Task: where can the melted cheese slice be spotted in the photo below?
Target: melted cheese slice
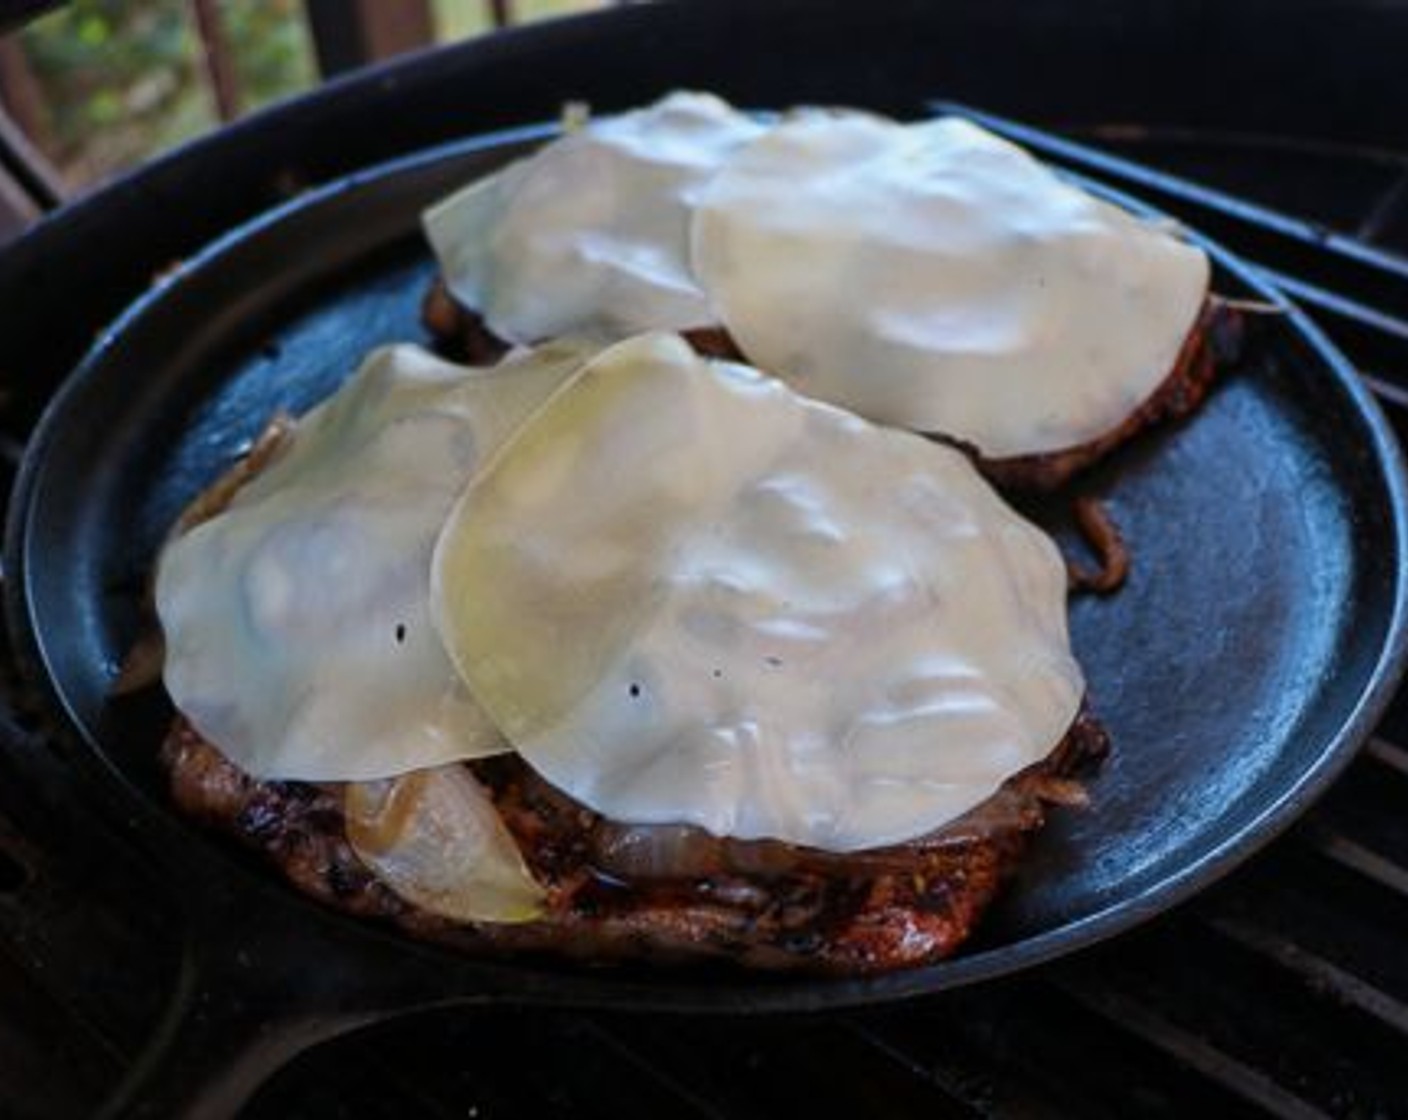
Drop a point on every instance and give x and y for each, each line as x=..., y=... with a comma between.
x=936, y=277
x=298, y=635
x=590, y=233
x=688, y=595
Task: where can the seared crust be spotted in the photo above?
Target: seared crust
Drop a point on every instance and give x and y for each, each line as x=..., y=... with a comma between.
x=761, y=904
x=459, y=334
x=1213, y=343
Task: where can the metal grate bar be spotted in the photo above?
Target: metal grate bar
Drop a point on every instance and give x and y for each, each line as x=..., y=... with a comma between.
x=1369, y=338
x=1357, y=857
x=1058, y=149
x=972, y=1093
x=503, y=1062
x=1388, y=392
x=656, y=1071
x=1202, y=992
x=1318, y=256
x=1323, y=299
x=1378, y=748
x=753, y=1069
x=1390, y=206
x=1139, y=1018
x=1316, y=972
x=1366, y=807
x=1326, y=909
x=1013, y=1046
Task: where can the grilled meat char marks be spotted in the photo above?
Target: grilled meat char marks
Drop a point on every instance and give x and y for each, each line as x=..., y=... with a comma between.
x=760, y=903
x=1213, y=344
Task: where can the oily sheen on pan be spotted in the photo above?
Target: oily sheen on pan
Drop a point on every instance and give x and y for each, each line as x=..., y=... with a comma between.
x=927, y=275
x=762, y=680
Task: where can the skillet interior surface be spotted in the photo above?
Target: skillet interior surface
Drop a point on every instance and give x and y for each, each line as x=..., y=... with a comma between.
x=1256, y=642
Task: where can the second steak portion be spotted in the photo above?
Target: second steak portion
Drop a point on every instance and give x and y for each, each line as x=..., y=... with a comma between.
x=1213, y=344
x=661, y=893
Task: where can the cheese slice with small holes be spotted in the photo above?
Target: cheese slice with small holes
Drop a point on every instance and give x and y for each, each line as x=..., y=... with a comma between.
x=297, y=624
x=591, y=232
x=688, y=595
x=936, y=277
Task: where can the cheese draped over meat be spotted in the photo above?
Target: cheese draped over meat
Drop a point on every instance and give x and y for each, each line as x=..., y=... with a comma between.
x=298, y=635
x=927, y=275
x=689, y=595
x=591, y=233
x=939, y=278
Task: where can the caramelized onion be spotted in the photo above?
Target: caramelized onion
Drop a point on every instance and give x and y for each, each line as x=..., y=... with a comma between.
x=672, y=851
x=216, y=497
x=141, y=668
x=1106, y=542
x=434, y=838
x=656, y=851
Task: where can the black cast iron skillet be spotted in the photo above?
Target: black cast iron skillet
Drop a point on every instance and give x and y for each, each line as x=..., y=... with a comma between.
x=1258, y=639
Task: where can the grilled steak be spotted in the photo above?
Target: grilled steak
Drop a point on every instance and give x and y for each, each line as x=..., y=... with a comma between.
x=1212, y=345
x=759, y=903
x=663, y=893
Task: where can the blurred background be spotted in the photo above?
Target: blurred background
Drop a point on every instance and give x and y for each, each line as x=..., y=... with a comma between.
x=98, y=85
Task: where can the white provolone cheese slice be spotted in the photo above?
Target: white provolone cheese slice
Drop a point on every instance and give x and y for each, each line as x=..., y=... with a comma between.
x=298, y=636
x=689, y=595
x=936, y=277
x=591, y=232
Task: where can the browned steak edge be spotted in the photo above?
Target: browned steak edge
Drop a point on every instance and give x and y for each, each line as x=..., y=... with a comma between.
x=759, y=904
x=1212, y=344
x=819, y=912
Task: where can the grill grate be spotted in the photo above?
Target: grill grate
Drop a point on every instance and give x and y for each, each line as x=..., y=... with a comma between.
x=1283, y=991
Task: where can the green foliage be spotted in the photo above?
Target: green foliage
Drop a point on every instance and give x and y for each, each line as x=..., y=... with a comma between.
x=113, y=74
x=272, y=49
x=123, y=79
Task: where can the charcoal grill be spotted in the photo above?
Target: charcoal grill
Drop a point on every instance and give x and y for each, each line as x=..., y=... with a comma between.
x=1284, y=991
